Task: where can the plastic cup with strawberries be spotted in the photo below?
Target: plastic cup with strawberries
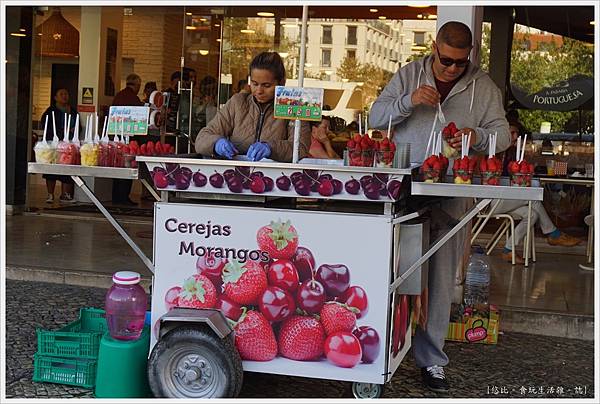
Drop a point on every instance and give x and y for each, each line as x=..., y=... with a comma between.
x=120, y=149
x=368, y=157
x=68, y=153
x=490, y=178
x=355, y=157
x=520, y=179
x=104, y=156
x=431, y=175
x=384, y=158
x=463, y=176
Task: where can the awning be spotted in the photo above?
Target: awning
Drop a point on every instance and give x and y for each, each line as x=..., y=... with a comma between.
x=574, y=93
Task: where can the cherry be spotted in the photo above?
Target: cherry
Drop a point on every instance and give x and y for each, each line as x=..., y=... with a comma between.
x=343, y=349
x=186, y=171
x=171, y=297
x=216, y=180
x=311, y=174
x=257, y=174
x=352, y=186
x=355, y=296
x=326, y=188
x=158, y=169
x=372, y=191
x=276, y=304
x=302, y=187
x=257, y=185
x=283, y=183
x=334, y=277
x=296, y=176
x=160, y=180
x=171, y=167
x=269, y=184
x=244, y=171
x=393, y=189
x=310, y=296
x=324, y=177
x=283, y=273
x=365, y=180
x=230, y=309
x=337, y=186
x=182, y=182
x=200, y=179
x=369, y=342
x=304, y=261
x=229, y=174
x=235, y=185
x=211, y=267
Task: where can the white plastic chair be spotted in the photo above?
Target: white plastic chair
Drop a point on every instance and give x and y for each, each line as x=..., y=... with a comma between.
x=507, y=227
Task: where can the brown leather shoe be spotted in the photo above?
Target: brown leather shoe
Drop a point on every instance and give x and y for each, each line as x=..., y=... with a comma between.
x=563, y=240
x=507, y=256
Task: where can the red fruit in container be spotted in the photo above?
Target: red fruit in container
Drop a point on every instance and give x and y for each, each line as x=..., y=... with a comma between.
x=144, y=150
x=150, y=148
x=436, y=165
x=158, y=149
x=456, y=165
x=524, y=167
x=513, y=167
x=351, y=144
x=483, y=166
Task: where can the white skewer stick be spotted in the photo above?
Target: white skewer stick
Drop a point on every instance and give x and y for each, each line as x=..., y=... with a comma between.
x=76, y=132
x=366, y=125
x=468, y=144
x=65, y=137
x=360, y=124
x=523, y=148
x=96, y=115
x=389, y=131
x=427, y=154
x=105, y=127
x=69, y=125
x=45, y=127
x=438, y=144
x=518, y=149
x=54, y=135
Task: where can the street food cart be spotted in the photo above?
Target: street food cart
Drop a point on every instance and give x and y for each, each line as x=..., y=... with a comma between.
x=299, y=269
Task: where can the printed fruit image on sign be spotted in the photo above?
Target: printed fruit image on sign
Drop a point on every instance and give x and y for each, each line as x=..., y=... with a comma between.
x=298, y=301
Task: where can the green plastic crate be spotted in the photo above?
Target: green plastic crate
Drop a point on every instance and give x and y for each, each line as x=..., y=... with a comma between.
x=76, y=372
x=79, y=339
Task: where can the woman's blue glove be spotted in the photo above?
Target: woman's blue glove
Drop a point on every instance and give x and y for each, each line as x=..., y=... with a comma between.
x=258, y=151
x=225, y=148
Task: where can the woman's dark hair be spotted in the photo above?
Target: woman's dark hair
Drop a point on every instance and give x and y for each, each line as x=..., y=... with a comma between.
x=150, y=86
x=270, y=61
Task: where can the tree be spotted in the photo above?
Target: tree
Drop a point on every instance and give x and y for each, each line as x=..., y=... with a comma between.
x=374, y=79
x=544, y=66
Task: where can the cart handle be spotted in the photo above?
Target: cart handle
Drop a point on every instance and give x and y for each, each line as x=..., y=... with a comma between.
x=410, y=216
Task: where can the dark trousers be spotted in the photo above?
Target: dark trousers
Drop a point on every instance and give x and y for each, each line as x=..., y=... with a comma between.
x=120, y=190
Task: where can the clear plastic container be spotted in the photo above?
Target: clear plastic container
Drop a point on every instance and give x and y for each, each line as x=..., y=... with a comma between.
x=45, y=152
x=125, y=306
x=477, y=280
x=104, y=155
x=90, y=154
x=68, y=153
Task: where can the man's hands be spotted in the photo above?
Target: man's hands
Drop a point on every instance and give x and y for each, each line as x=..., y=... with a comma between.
x=425, y=95
x=456, y=140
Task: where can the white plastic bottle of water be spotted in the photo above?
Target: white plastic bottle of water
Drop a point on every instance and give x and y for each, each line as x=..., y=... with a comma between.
x=477, y=281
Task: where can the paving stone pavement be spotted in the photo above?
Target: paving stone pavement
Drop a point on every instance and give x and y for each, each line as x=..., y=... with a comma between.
x=531, y=362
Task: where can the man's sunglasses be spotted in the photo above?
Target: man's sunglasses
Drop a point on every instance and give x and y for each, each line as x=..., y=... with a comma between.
x=449, y=61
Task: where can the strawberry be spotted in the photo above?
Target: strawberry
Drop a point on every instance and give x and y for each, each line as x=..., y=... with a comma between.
x=437, y=166
x=357, y=138
x=392, y=146
x=464, y=163
x=143, y=150
x=254, y=337
x=456, y=165
x=351, y=144
x=279, y=239
x=150, y=148
x=524, y=167
x=472, y=163
x=483, y=166
x=513, y=167
x=198, y=293
x=338, y=317
x=158, y=149
x=244, y=284
x=301, y=338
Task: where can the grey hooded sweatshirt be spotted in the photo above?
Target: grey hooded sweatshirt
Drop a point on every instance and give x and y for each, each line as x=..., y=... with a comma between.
x=474, y=102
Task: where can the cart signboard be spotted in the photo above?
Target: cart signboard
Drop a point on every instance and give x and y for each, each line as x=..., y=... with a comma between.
x=305, y=104
x=257, y=253
x=128, y=121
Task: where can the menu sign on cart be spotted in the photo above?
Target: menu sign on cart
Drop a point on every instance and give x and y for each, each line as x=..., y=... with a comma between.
x=298, y=103
x=130, y=121
x=306, y=294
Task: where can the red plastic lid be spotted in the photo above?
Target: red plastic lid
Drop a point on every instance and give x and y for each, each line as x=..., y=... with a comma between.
x=126, y=278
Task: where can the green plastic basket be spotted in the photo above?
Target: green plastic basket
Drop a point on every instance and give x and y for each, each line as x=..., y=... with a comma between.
x=76, y=372
x=79, y=339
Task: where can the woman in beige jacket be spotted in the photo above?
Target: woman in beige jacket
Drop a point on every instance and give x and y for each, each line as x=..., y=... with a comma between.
x=246, y=124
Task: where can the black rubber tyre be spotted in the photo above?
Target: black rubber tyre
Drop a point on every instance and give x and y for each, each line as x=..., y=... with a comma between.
x=192, y=362
x=366, y=390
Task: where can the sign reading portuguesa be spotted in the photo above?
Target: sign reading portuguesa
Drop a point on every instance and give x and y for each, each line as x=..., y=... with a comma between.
x=566, y=95
x=301, y=103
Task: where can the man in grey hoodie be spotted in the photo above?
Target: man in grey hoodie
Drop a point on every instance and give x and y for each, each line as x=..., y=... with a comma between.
x=443, y=85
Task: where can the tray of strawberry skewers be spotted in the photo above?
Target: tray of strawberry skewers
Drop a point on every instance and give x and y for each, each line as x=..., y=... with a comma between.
x=465, y=182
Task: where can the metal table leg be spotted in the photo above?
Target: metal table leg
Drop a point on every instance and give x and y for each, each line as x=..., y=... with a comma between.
x=466, y=219
x=150, y=189
x=81, y=184
x=485, y=220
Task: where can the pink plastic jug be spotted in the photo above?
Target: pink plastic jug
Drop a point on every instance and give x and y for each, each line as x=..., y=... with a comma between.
x=125, y=306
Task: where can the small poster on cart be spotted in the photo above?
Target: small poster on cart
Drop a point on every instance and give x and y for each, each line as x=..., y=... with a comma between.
x=128, y=121
x=306, y=293
x=301, y=103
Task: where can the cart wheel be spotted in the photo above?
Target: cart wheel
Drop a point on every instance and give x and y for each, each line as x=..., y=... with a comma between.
x=192, y=362
x=367, y=390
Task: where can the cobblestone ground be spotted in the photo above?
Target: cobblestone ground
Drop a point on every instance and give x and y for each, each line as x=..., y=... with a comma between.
x=520, y=366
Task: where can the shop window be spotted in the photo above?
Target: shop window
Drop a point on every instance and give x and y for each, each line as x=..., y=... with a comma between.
x=351, y=38
x=326, y=57
x=419, y=38
x=327, y=38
